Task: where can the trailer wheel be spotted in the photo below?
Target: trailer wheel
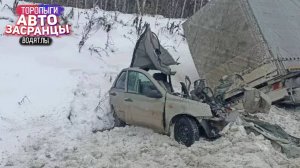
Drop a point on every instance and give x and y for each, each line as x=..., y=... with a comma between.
x=186, y=131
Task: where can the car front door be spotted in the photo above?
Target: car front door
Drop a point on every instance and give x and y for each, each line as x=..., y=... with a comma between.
x=142, y=110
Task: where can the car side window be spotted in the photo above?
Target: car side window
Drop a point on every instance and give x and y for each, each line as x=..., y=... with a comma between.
x=120, y=84
x=139, y=83
x=132, y=82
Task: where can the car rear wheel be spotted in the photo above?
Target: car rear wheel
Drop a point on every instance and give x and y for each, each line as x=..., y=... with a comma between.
x=118, y=121
x=186, y=131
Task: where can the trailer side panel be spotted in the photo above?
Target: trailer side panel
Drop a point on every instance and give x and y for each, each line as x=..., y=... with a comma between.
x=279, y=22
x=224, y=39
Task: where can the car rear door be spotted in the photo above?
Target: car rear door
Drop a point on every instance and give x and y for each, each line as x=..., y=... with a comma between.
x=117, y=95
x=142, y=110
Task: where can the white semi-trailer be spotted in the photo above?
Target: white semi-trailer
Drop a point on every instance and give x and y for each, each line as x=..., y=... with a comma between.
x=257, y=39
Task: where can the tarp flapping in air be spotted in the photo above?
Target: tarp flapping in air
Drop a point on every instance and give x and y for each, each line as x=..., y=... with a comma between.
x=149, y=54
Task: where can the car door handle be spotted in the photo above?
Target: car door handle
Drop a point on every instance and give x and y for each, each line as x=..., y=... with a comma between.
x=128, y=100
x=113, y=94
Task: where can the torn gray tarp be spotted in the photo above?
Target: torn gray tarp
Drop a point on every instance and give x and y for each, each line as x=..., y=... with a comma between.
x=149, y=54
x=289, y=145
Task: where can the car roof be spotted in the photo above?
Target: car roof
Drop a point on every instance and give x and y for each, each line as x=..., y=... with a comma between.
x=135, y=69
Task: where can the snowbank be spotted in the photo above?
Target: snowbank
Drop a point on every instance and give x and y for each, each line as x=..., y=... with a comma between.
x=53, y=98
x=138, y=147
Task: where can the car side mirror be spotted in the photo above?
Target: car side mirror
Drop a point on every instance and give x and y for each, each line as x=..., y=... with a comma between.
x=153, y=94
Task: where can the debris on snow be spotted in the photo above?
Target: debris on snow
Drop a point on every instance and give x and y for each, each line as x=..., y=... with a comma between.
x=289, y=120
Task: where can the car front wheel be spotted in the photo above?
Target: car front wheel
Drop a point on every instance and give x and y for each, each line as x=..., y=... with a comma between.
x=186, y=131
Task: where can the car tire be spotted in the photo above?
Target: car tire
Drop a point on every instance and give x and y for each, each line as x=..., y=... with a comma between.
x=186, y=131
x=118, y=121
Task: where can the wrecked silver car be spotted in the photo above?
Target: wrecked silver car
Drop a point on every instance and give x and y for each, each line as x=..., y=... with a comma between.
x=145, y=98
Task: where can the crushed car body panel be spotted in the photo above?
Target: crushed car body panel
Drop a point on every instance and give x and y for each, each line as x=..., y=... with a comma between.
x=181, y=106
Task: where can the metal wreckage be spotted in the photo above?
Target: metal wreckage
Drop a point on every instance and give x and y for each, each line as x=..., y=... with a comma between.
x=249, y=50
x=149, y=56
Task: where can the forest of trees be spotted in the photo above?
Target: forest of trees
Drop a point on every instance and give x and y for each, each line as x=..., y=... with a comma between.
x=167, y=8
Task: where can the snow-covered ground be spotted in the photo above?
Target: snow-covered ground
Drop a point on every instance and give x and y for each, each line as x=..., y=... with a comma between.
x=139, y=147
x=53, y=98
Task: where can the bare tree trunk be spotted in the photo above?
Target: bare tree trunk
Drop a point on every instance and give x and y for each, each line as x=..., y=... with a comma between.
x=105, y=5
x=85, y=4
x=116, y=9
x=195, y=6
x=143, y=7
x=124, y=6
x=183, y=8
x=115, y=5
x=172, y=9
x=175, y=9
x=201, y=3
x=94, y=3
x=138, y=6
x=156, y=7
